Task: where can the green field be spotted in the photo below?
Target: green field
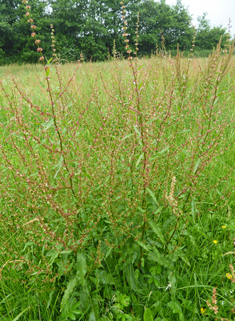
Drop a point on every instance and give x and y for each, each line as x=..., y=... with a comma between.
x=117, y=190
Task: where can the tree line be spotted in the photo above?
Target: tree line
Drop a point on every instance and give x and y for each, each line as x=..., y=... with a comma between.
x=94, y=27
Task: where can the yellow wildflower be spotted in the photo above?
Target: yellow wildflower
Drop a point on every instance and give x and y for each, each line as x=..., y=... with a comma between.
x=215, y=241
x=224, y=226
x=229, y=276
x=203, y=310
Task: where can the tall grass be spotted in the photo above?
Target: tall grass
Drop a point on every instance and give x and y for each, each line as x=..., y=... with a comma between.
x=117, y=189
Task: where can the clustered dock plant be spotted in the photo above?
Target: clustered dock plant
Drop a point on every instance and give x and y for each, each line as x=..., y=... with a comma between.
x=116, y=178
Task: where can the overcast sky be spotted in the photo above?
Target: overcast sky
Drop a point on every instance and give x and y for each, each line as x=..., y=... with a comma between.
x=219, y=11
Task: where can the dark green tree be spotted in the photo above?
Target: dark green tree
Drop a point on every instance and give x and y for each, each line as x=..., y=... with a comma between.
x=79, y=28
x=159, y=19
x=91, y=26
x=182, y=30
x=16, y=45
x=112, y=13
x=155, y=20
x=207, y=36
x=68, y=17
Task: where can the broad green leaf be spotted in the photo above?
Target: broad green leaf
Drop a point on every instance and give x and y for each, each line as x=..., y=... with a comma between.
x=70, y=287
x=141, y=209
x=160, y=259
x=188, y=304
x=95, y=308
x=157, y=231
x=148, y=315
x=85, y=298
x=48, y=124
x=175, y=307
x=137, y=130
x=108, y=253
x=158, y=210
x=130, y=275
x=81, y=268
x=103, y=277
x=152, y=195
x=66, y=252
x=92, y=316
x=173, y=283
x=196, y=165
x=144, y=246
x=58, y=166
x=139, y=159
x=193, y=206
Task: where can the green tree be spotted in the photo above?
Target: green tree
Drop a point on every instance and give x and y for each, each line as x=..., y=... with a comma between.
x=208, y=37
x=15, y=42
x=89, y=27
x=155, y=21
x=182, y=30
x=68, y=17
x=112, y=14
x=159, y=19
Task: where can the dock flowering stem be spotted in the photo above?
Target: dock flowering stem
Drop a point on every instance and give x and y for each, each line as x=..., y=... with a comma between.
x=139, y=112
x=50, y=91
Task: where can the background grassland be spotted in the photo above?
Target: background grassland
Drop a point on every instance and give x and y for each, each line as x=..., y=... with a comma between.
x=117, y=189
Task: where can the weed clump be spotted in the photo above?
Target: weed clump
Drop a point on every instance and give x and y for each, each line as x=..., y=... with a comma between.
x=114, y=179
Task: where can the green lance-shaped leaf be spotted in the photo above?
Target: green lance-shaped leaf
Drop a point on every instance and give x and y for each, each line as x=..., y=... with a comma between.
x=81, y=268
x=157, y=231
x=148, y=315
x=59, y=165
x=70, y=287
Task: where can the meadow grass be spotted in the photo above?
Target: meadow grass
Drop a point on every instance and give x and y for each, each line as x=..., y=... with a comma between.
x=117, y=190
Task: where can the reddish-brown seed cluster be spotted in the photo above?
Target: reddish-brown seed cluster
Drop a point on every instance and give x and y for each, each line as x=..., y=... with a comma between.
x=213, y=305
